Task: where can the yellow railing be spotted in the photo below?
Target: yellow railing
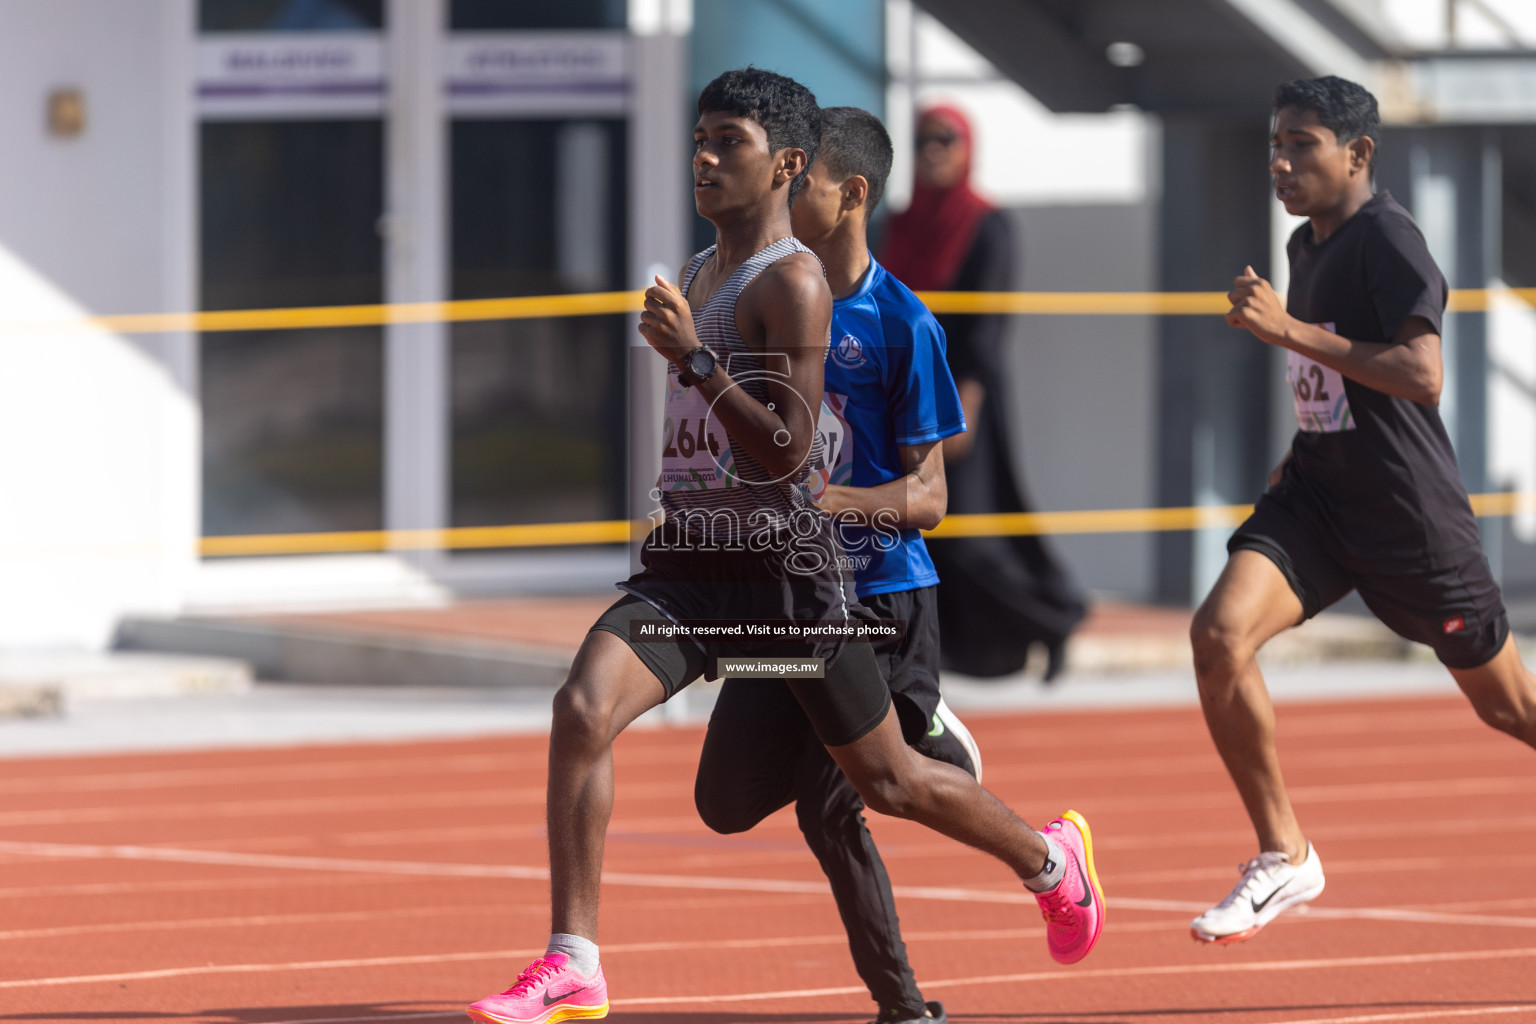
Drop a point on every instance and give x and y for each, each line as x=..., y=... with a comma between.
x=1467, y=300
x=620, y=531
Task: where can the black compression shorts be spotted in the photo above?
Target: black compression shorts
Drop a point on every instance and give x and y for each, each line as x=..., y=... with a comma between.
x=1447, y=601
x=683, y=586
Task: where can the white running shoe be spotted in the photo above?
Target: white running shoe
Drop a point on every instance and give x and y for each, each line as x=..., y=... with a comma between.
x=1270, y=885
x=944, y=720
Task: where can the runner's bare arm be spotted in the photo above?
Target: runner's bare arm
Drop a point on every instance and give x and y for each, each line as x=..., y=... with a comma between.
x=787, y=310
x=972, y=394
x=1407, y=367
x=787, y=313
x=919, y=499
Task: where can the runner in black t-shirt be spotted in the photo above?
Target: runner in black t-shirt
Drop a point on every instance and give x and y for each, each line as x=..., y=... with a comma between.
x=1369, y=497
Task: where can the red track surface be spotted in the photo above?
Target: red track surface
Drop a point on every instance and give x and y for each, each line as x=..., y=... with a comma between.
x=401, y=881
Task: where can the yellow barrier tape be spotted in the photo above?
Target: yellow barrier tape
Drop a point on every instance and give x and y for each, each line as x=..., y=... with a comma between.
x=619, y=531
x=616, y=531
x=524, y=308
x=1467, y=300
x=1079, y=303
x=1462, y=300
x=1120, y=520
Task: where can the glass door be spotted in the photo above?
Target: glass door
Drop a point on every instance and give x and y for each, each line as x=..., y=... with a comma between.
x=538, y=406
x=291, y=170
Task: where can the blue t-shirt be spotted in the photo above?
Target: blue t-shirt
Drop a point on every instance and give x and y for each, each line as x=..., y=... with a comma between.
x=888, y=385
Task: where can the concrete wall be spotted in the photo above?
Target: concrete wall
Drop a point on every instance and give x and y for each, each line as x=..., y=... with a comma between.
x=1085, y=387
x=98, y=458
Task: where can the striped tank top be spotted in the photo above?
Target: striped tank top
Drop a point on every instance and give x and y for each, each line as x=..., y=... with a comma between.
x=710, y=485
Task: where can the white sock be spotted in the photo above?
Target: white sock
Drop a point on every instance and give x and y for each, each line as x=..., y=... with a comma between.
x=582, y=953
x=1055, y=868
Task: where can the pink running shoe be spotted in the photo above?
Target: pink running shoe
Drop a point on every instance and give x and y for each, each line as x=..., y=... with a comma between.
x=1074, y=910
x=547, y=991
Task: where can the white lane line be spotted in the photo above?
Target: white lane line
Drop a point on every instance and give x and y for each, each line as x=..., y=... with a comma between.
x=1422, y=865
x=285, y=806
x=1342, y=831
x=310, y=771
x=497, y=796
x=1371, y=1018
x=1404, y=914
x=1113, y=972
x=1037, y=772
x=435, y=1015
x=301, y=965
x=286, y=881
x=1464, y=956
x=1374, y=1018
x=1149, y=729
x=493, y=796
x=433, y=869
x=1370, y=792
x=256, y=921
x=688, y=827
x=315, y=771
x=508, y=763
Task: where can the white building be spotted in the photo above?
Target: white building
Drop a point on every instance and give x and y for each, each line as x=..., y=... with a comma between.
x=176, y=155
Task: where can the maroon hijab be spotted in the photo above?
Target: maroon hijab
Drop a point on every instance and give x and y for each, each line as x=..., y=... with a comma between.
x=926, y=244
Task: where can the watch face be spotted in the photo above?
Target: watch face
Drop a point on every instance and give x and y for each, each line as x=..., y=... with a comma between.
x=700, y=362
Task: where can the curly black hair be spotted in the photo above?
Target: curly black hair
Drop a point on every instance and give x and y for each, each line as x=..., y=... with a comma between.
x=786, y=109
x=1343, y=107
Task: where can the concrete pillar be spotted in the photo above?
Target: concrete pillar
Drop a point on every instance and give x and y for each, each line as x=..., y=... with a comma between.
x=661, y=212
x=416, y=441
x=1214, y=388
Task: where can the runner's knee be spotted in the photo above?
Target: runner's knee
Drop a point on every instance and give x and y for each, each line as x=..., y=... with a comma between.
x=1220, y=649
x=723, y=812
x=583, y=715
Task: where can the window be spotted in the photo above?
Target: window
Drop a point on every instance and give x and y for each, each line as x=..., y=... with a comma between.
x=538, y=406
x=522, y=14
x=292, y=420
x=290, y=15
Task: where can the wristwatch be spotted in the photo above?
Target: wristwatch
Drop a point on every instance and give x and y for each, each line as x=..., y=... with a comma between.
x=697, y=367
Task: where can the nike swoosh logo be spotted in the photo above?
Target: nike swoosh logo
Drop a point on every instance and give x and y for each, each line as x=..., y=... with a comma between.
x=575, y=991
x=1259, y=905
x=1087, y=900
x=938, y=727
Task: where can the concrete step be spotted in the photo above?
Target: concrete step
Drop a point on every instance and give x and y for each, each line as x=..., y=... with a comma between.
x=529, y=643
x=341, y=656
x=39, y=684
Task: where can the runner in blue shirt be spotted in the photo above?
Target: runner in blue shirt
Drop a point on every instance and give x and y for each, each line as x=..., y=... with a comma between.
x=889, y=402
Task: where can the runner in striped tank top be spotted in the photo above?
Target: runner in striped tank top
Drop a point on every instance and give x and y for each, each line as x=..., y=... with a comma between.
x=710, y=483
x=721, y=567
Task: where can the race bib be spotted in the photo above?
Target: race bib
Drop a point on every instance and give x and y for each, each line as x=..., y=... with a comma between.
x=1322, y=406
x=831, y=458
x=695, y=452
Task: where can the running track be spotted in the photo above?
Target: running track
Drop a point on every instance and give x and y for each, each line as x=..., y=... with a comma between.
x=398, y=881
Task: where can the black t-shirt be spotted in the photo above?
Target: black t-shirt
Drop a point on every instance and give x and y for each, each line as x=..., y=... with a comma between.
x=1380, y=468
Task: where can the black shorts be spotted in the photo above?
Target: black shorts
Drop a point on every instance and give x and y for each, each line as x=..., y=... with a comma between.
x=1447, y=601
x=910, y=662
x=688, y=584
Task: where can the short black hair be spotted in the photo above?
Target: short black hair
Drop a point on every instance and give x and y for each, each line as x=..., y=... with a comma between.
x=853, y=141
x=786, y=109
x=1343, y=107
